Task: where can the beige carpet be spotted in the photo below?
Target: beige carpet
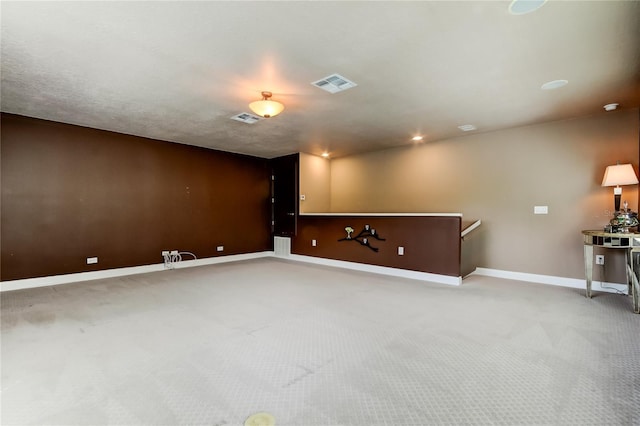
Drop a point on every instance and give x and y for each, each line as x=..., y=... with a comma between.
x=316, y=346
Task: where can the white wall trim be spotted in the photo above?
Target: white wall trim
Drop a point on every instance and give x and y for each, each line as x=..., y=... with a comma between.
x=383, y=270
x=386, y=214
x=551, y=280
x=121, y=272
x=470, y=228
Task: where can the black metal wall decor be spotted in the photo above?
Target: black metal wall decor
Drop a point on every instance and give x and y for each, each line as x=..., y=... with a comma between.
x=363, y=237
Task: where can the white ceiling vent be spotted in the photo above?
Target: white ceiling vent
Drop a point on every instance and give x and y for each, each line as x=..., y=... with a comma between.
x=245, y=117
x=334, y=83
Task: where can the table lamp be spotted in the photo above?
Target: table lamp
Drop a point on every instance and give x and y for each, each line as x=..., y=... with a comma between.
x=621, y=174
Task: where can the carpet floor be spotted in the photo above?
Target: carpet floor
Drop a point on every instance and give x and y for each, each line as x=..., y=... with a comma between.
x=314, y=345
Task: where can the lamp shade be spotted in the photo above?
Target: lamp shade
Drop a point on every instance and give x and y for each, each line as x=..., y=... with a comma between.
x=620, y=174
x=266, y=107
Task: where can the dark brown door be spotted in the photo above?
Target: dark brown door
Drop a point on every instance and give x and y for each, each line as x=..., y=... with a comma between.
x=284, y=190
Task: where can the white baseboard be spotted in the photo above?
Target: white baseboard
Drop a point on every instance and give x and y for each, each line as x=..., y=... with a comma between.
x=551, y=280
x=121, y=272
x=383, y=270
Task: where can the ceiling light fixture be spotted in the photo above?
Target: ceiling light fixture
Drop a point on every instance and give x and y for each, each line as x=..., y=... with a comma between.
x=611, y=107
x=266, y=107
x=521, y=7
x=325, y=154
x=417, y=138
x=555, y=84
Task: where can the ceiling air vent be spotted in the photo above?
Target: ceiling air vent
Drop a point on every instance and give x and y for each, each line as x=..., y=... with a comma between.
x=334, y=83
x=245, y=117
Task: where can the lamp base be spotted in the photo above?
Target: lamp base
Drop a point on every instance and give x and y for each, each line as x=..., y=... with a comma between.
x=616, y=202
x=624, y=221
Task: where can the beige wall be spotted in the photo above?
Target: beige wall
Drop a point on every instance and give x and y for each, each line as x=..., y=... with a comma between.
x=499, y=177
x=315, y=184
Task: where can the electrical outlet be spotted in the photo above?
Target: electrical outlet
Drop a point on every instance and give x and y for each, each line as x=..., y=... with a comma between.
x=92, y=260
x=314, y=243
x=400, y=251
x=174, y=252
x=220, y=248
x=165, y=252
x=599, y=259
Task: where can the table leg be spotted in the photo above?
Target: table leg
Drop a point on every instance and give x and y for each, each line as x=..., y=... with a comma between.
x=635, y=293
x=629, y=258
x=588, y=266
x=635, y=286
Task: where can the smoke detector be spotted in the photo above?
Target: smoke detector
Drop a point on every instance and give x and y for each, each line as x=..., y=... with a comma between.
x=611, y=107
x=467, y=127
x=555, y=84
x=522, y=7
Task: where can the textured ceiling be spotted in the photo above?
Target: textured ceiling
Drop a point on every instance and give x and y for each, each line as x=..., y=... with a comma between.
x=178, y=71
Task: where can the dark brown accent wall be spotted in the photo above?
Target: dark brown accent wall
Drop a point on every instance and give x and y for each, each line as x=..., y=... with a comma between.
x=431, y=243
x=71, y=192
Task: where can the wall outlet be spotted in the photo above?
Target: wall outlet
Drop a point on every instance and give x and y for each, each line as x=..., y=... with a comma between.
x=599, y=259
x=220, y=248
x=400, y=251
x=92, y=260
x=314, y=243
x=174, y=252
x=165, y=253
x=302, y=197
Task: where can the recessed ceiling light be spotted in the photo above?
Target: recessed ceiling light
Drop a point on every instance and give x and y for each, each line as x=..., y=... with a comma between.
x=325, y=154
x=521, y=7
x=555, y=84
x=611, y=107
x=467, y=127
x=417, y=138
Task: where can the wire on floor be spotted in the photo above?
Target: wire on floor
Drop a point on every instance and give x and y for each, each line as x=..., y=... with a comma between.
x=615, y=290
x=175, y=256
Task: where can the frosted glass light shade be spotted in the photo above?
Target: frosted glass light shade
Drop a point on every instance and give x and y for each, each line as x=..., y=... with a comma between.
x=266, y=107
x=620, y=174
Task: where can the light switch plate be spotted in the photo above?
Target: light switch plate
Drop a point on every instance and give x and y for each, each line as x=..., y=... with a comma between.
x=540, y=209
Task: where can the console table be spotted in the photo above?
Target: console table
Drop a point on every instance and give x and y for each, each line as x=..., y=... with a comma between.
x=630, y=242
